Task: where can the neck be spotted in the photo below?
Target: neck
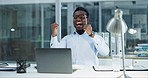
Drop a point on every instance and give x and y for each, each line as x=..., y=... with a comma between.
x=80, y=32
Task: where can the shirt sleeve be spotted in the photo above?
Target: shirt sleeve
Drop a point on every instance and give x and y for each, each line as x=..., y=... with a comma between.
x=101, y=46
x=55, y=44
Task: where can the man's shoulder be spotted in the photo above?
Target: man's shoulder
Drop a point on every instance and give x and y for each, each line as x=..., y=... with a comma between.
x=71, y=35
x=68, y=36
x=98, y=36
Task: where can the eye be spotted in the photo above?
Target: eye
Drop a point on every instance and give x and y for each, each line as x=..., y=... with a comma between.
x=80, y=16
x=75, y=17
x=83, y=17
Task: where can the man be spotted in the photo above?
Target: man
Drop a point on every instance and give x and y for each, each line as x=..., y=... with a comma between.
x=85, y=45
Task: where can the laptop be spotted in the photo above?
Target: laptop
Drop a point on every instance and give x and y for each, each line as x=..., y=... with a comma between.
x=54, y=60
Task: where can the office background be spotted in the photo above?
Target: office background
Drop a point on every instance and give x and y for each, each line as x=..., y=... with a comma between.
x=25, y=24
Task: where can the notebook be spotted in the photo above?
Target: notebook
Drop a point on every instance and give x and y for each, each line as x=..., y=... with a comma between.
x=54, y=60
x=109, y=68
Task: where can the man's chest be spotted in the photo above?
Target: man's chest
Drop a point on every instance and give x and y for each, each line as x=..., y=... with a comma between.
x=79, y=41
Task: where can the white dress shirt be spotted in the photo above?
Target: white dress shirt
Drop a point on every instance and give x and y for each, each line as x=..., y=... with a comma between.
x=85, y=49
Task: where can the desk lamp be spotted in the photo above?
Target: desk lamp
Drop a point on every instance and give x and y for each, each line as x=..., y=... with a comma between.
x=117, y=25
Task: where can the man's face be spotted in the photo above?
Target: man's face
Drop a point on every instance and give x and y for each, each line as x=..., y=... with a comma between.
x=79, y=20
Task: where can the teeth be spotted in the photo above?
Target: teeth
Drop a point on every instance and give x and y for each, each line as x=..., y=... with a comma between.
x=79, y=22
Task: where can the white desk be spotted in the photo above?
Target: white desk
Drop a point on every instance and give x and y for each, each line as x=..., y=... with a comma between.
x=84, y=72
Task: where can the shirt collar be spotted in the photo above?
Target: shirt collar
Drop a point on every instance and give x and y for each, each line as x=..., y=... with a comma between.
x=75, y=33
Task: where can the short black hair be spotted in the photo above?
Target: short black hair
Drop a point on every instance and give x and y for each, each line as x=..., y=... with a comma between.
x=81, y=9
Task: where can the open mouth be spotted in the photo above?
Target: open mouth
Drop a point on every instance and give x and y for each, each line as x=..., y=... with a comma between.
x=79, y=24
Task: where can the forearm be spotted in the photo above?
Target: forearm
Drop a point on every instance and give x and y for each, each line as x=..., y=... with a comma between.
x=101, y=47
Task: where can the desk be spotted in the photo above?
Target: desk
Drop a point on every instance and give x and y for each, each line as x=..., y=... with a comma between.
x=83, y=72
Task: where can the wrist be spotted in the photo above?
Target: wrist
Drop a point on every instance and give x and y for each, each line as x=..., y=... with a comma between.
x=53, y=35
x=91, y=35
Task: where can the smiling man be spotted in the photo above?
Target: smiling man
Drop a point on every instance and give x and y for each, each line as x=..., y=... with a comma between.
x=85, y=45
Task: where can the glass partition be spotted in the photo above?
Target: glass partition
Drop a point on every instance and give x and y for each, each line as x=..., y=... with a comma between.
x=20, y=27
x=24, y=27
x=135, y=14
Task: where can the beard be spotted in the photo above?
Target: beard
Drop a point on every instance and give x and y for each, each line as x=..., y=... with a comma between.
x=80, y=31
